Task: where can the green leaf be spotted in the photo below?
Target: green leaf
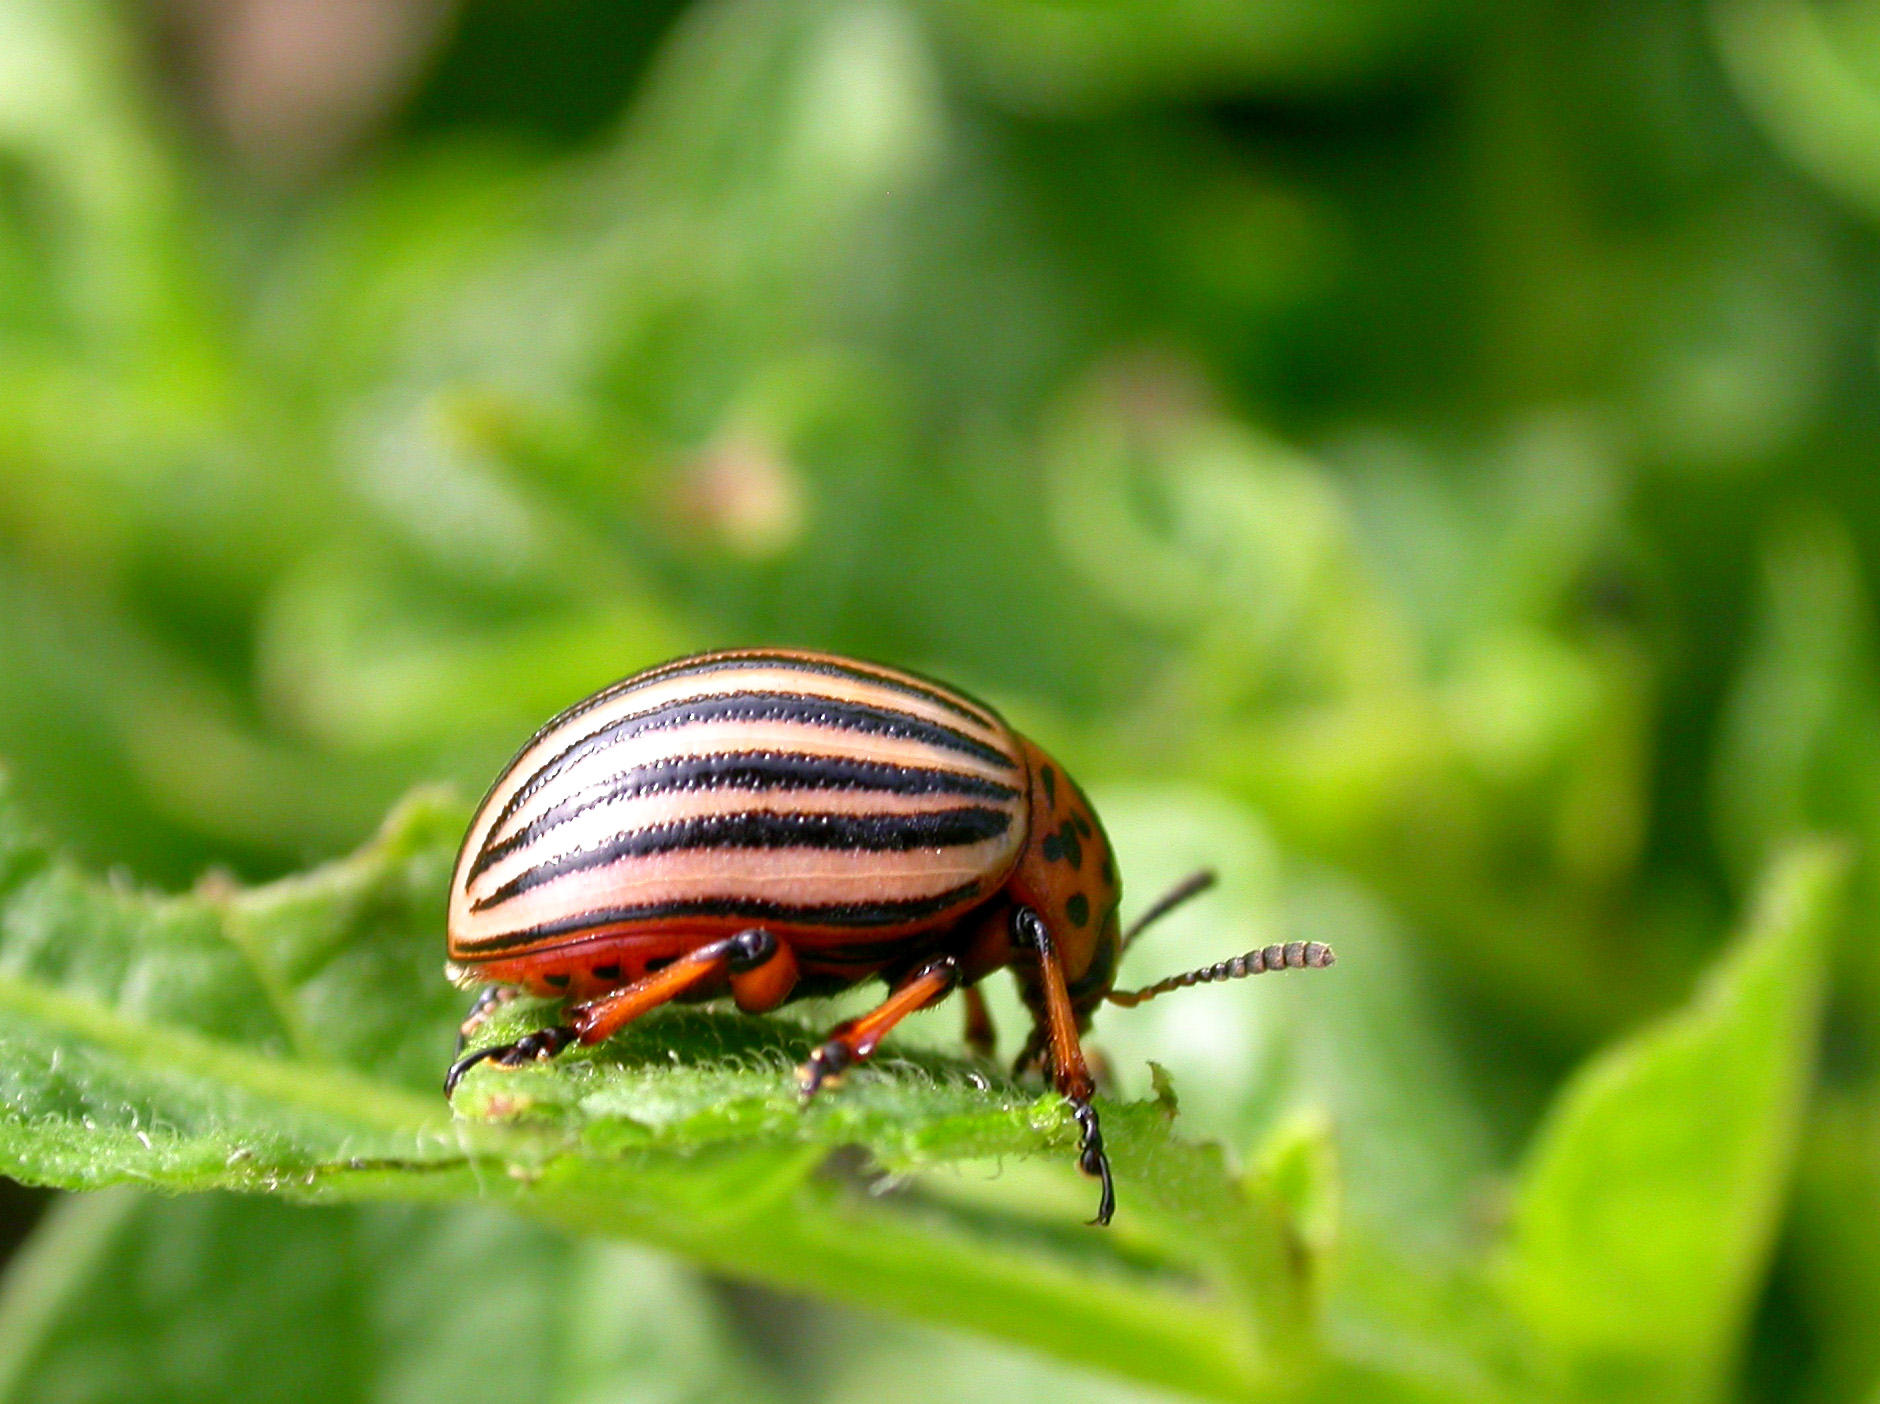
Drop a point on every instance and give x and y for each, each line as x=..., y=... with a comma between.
x=120, y=1296
x=218, y=1038
x=288, y=1039
x=1645, y=1213
x=1800, y=73
x=1081, y=56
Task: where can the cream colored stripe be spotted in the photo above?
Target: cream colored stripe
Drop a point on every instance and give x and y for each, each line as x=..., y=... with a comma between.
x=779, y=679
x=791, y=876
x=595, y=769
x=600, y=823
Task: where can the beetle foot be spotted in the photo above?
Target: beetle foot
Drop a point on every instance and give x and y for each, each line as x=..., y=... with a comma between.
x=1093, y=1160
x=824, y=1067
x=542, y=1044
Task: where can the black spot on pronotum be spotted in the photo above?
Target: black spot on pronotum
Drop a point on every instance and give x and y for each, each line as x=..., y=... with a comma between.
x=1100, y=977
x=1078, y=909
x=1049, y=777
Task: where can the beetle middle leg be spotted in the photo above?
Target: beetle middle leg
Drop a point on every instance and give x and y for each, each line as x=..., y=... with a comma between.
x=981, y=1038
x=854, y=1041
x=1032, y=1054
x=752, y=954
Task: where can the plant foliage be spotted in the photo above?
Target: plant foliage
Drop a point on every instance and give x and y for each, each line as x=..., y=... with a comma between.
x=285, y=1040
x=1415, y=458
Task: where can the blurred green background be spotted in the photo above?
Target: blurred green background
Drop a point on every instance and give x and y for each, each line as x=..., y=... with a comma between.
x=1423, y=450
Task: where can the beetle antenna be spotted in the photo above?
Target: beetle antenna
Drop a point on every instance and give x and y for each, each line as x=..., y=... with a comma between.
x=1294, y=955
x=1191, y=886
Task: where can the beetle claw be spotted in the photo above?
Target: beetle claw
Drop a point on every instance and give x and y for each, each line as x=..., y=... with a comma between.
x=1094, y=1161
x=534, y=1047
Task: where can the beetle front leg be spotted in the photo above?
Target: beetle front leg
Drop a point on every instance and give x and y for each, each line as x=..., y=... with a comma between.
x=598, y=1019
x=1069, y=1072
x=856, y=1040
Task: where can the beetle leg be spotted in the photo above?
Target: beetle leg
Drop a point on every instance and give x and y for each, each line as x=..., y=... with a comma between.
x=543, y=1043
x=489, y=999
x=761, y=985
x=1069, y=1073
x=981, y=1037
x=855, y=1040
x=599, y=1018
x=1032, y=1054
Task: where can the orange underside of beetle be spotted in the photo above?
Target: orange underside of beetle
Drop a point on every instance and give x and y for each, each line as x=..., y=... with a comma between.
x=824, y=961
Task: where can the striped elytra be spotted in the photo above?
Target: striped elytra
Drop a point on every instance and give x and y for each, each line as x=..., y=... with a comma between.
x=770, y=824
x=819, y=796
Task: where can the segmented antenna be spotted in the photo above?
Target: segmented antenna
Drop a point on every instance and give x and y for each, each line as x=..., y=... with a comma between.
x=1191, y=886
x=1294, y=955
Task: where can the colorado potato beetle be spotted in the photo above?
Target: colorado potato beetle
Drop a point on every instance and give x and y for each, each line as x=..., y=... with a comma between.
x=775, y=824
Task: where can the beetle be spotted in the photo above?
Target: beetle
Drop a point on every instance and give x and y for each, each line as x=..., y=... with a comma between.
x=775, y=824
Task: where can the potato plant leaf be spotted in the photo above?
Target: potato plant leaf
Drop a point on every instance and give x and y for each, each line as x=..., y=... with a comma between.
x=1650, y=1197
x=288, y=1039
x=126, y=1296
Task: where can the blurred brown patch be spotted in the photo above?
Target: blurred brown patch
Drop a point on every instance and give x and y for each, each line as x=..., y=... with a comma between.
x=293, y=85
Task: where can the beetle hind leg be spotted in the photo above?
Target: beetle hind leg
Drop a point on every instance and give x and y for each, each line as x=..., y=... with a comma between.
x=597, y=1019
x=855, y=1041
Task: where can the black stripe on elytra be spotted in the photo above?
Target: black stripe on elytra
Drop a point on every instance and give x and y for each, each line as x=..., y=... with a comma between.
x=743, y=908
x=908, y=685
x=746, y=770
x=936, y=692
x=751, y=707
x=866, y=833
